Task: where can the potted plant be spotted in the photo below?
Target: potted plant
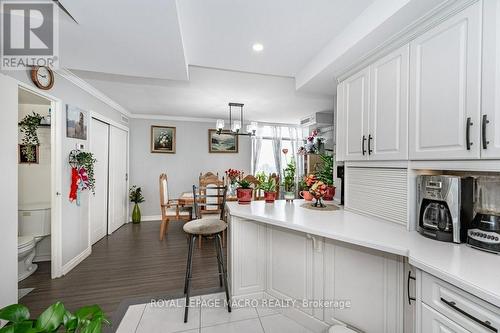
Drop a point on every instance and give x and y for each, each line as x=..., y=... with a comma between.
x=29, y=126
x=54, y=319
x=269, y=188
x=289, y=178
x=135, y=195
x=305, y=185
x=325, y=174
x=244, y=192
x=86, y=163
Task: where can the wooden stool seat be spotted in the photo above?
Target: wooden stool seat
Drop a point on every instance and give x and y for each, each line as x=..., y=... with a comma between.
x=205, y=226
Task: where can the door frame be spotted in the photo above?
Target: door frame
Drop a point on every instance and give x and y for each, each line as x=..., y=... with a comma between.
x=56, y=133
x=110, y=122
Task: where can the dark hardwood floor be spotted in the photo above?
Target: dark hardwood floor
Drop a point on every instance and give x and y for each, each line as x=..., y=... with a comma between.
x=131, y=263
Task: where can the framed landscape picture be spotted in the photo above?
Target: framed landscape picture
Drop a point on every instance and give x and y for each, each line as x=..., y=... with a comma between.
x=163, y=139
x=226, y=142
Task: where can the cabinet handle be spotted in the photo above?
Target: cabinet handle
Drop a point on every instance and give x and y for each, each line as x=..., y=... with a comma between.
x=485, y=122
x=467, y=132
x=408, y=288
x=363, y=150
x=454, y=306
x=370, y=151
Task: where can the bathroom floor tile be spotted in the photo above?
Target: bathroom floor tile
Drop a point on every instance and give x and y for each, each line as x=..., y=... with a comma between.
x=131, y=319
x=216, y=313
x=244, y=326
x=281, y=324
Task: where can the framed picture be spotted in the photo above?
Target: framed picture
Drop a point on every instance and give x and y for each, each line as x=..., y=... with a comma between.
x=226, y=142
x=23, y=158
x=163, y=139
x=76, y=123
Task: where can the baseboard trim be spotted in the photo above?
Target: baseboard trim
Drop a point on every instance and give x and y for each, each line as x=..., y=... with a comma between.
x=149, y=218
x=42, y=257
x=76, y=260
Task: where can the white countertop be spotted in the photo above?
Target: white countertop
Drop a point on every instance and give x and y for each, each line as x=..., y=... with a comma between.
x=475, y=271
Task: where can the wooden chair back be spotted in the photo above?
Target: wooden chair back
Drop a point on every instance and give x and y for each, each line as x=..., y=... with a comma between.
x=202, y=200
x=164, y=199
x=208, y=184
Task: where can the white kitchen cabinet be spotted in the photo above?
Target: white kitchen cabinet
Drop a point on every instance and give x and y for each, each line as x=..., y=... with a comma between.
x=490, y=113
x=373, y=110
x=356, y=104
x=388, y=115
x=434, y=322
x=371, y=281
x=445, y=87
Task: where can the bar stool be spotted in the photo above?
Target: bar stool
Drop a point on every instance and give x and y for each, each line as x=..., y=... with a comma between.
x=208, y=227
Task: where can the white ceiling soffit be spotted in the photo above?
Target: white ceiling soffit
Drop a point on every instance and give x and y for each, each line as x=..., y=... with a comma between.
x=220, y=33
x=380, y=22
x=207, y=93
x=126, y=37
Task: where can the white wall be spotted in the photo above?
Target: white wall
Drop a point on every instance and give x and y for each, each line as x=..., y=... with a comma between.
x=183, y=167
x=75, y=220
x=8, y=194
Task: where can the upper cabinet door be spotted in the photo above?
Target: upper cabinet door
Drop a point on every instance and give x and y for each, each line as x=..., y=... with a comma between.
x=356, y=98
x=445, y=75
x=490, y=116
x=388, y=134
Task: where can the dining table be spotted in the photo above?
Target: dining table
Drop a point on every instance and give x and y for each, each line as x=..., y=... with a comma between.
x=186, y=199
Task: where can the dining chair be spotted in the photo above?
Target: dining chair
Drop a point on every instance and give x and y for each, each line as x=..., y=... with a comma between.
x=208, y=184
x=208, y=227
x=170, y=209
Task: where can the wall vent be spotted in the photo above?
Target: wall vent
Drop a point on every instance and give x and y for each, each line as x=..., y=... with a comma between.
x=124, y=119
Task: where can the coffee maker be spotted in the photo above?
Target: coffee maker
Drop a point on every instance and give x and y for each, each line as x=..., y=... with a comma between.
x=445, y=207
x=484, y=233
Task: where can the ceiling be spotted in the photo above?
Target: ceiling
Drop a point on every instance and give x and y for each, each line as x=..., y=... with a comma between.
x=190, y=58
x=208, y=92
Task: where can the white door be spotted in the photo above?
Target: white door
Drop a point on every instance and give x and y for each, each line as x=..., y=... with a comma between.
x=356, y=99
x=445, y=83
x=490, y=117
x=118, y=194
x=388, y=135
x=99, y=202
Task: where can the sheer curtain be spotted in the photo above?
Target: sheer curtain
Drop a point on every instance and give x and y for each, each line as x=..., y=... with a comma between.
x=276, y=130
x=295, y=135
x=256, y=146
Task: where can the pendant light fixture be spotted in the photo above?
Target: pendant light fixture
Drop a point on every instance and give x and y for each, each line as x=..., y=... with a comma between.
x=235, y=126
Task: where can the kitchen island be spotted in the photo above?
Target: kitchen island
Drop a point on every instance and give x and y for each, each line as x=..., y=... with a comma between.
x=286, y=251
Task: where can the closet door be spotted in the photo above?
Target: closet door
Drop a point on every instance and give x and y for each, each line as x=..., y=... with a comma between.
x=389, y=106
x=118, y=178
x=99, y=202
x=445, y=83
x=356, y=99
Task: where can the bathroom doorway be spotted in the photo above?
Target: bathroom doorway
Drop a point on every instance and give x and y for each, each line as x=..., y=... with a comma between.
x=38, y=200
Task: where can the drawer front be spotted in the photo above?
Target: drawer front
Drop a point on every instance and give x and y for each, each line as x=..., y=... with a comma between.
x=434, y=322
x=461, y=307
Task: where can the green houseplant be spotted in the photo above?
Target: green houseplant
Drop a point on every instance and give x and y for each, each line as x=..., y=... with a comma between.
x=269, y=188
x=88, y=319
x=289, y=178
x=29, y=126
x=244, y=192
x=87, y=161
x=135, y=196
x=325, y=174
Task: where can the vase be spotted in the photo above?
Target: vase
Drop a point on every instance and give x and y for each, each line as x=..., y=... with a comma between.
x=136, y=214
x=244, y=195
x=289, y=195
x=269, y=197
x=330, y=193
x=231, y=190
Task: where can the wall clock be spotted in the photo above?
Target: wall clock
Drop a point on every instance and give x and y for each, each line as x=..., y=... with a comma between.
x=42, y=77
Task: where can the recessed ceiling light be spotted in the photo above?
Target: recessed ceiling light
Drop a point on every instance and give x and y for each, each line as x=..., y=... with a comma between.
x=258, y=47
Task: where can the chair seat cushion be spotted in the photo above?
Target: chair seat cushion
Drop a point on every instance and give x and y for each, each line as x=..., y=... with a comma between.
x=205, y=226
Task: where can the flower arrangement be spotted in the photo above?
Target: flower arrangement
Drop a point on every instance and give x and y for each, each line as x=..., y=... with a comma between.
x=312, y=144
x=315, y=188
x=28, y=126
x=164, y=139
x=86, y=161
x=233, y=175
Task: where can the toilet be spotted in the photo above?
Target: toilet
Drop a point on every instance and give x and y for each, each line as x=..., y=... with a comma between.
x=34, y=225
